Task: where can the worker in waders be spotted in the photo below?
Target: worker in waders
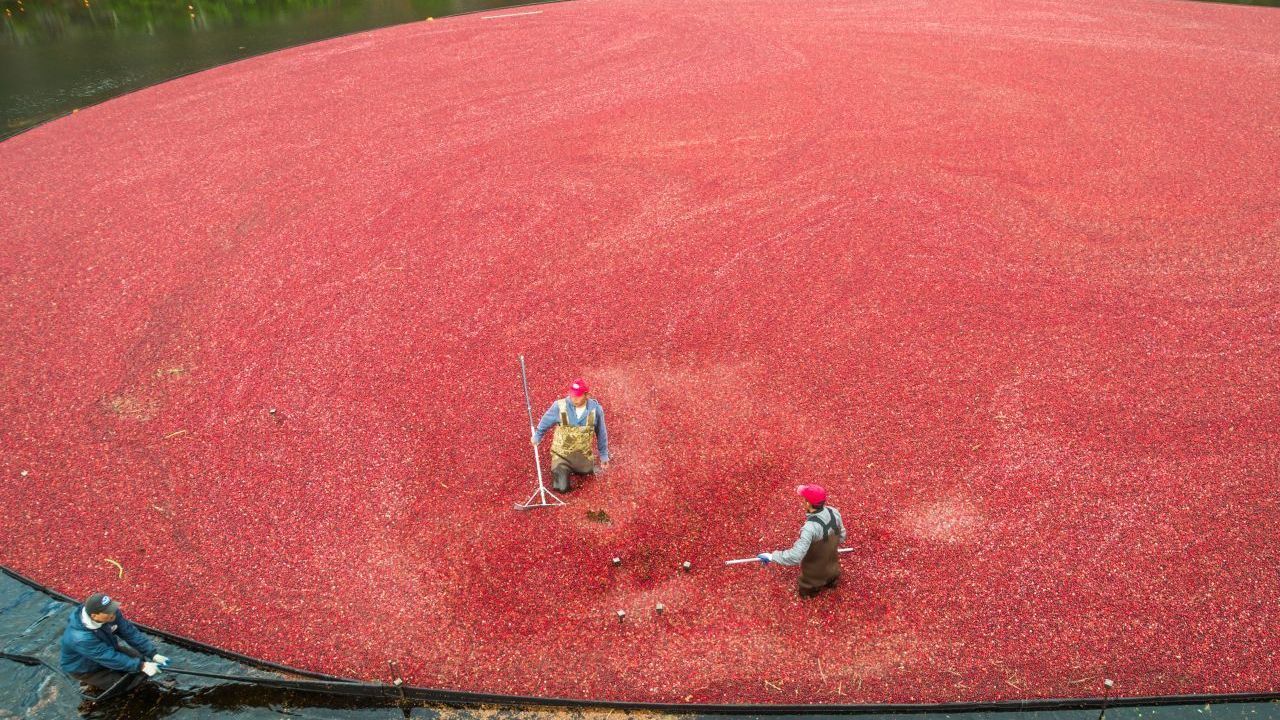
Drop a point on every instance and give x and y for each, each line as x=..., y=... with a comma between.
x=817, y=552
x=92, y=653
x=579, y=423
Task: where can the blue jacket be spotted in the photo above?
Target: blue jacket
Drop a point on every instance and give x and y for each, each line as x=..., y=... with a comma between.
x=551, y=418
x=86, y=650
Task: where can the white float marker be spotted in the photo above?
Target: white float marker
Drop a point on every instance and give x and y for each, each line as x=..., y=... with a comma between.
x=1105, y=698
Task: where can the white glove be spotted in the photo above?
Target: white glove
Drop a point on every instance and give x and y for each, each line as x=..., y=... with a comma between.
x=159, y=659
x=533, y=439
x=150, y=669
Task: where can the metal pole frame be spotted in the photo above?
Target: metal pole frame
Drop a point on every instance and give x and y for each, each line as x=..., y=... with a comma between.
x=542, y=497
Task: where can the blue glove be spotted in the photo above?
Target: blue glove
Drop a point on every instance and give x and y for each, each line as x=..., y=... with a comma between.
x=764, y=558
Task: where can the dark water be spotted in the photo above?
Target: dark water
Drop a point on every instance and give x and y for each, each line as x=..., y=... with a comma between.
x=59, y=55
x=31, y=622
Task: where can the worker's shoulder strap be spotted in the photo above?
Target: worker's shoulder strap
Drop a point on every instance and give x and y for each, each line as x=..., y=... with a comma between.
x=826, y=520
x=564, y=414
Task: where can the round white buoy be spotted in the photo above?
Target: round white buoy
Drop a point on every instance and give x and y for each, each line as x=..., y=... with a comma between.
x=617, y=561
x=660, y=608
x=687, y=566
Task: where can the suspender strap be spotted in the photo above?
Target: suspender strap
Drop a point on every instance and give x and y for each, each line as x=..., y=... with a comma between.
x=828, y=526
x=564, y=414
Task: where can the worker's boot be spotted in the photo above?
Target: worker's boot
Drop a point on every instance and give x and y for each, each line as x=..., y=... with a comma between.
x=560, y=479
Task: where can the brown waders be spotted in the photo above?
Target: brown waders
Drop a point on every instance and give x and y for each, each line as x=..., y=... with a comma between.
x=820, y=568
x=572, y=448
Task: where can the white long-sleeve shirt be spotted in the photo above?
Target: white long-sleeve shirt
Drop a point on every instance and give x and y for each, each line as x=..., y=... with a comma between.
x=809, y=534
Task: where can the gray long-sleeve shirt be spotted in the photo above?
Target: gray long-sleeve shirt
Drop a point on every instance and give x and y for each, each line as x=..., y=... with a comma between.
x=809, y=534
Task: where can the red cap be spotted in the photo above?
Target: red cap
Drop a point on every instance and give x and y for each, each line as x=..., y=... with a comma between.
x=812, y=494
x=578, y=387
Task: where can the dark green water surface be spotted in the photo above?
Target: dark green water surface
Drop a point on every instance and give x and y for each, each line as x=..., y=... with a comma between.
x=57, y=56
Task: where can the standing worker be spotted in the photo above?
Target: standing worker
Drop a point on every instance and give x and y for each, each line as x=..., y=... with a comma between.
x=579, y=423
x=817, y=552
x=92, y=653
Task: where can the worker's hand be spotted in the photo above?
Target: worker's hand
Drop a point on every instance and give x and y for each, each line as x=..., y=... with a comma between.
x=159, y=659
x=604, y=465
x=533, y=439
x=764, y=558
x=150, y=669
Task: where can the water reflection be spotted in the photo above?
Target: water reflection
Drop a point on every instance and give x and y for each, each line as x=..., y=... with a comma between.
x=28, y=22
x=60, y=55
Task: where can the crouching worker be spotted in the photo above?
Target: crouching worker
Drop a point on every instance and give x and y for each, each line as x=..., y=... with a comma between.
x=91, y=649
x=817, y=552
x=579, y=423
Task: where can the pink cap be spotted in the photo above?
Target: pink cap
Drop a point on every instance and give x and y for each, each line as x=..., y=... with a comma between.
x=578, y=387
x=812, y=494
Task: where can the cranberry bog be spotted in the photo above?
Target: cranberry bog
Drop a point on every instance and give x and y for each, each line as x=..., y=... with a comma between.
x=1004, y=277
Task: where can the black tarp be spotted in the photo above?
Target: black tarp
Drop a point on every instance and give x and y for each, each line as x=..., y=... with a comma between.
x=32, y=618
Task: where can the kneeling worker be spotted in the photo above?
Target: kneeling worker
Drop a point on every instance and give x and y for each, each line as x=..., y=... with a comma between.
x=817, y=552
x=91, y=650
x=579, y=423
